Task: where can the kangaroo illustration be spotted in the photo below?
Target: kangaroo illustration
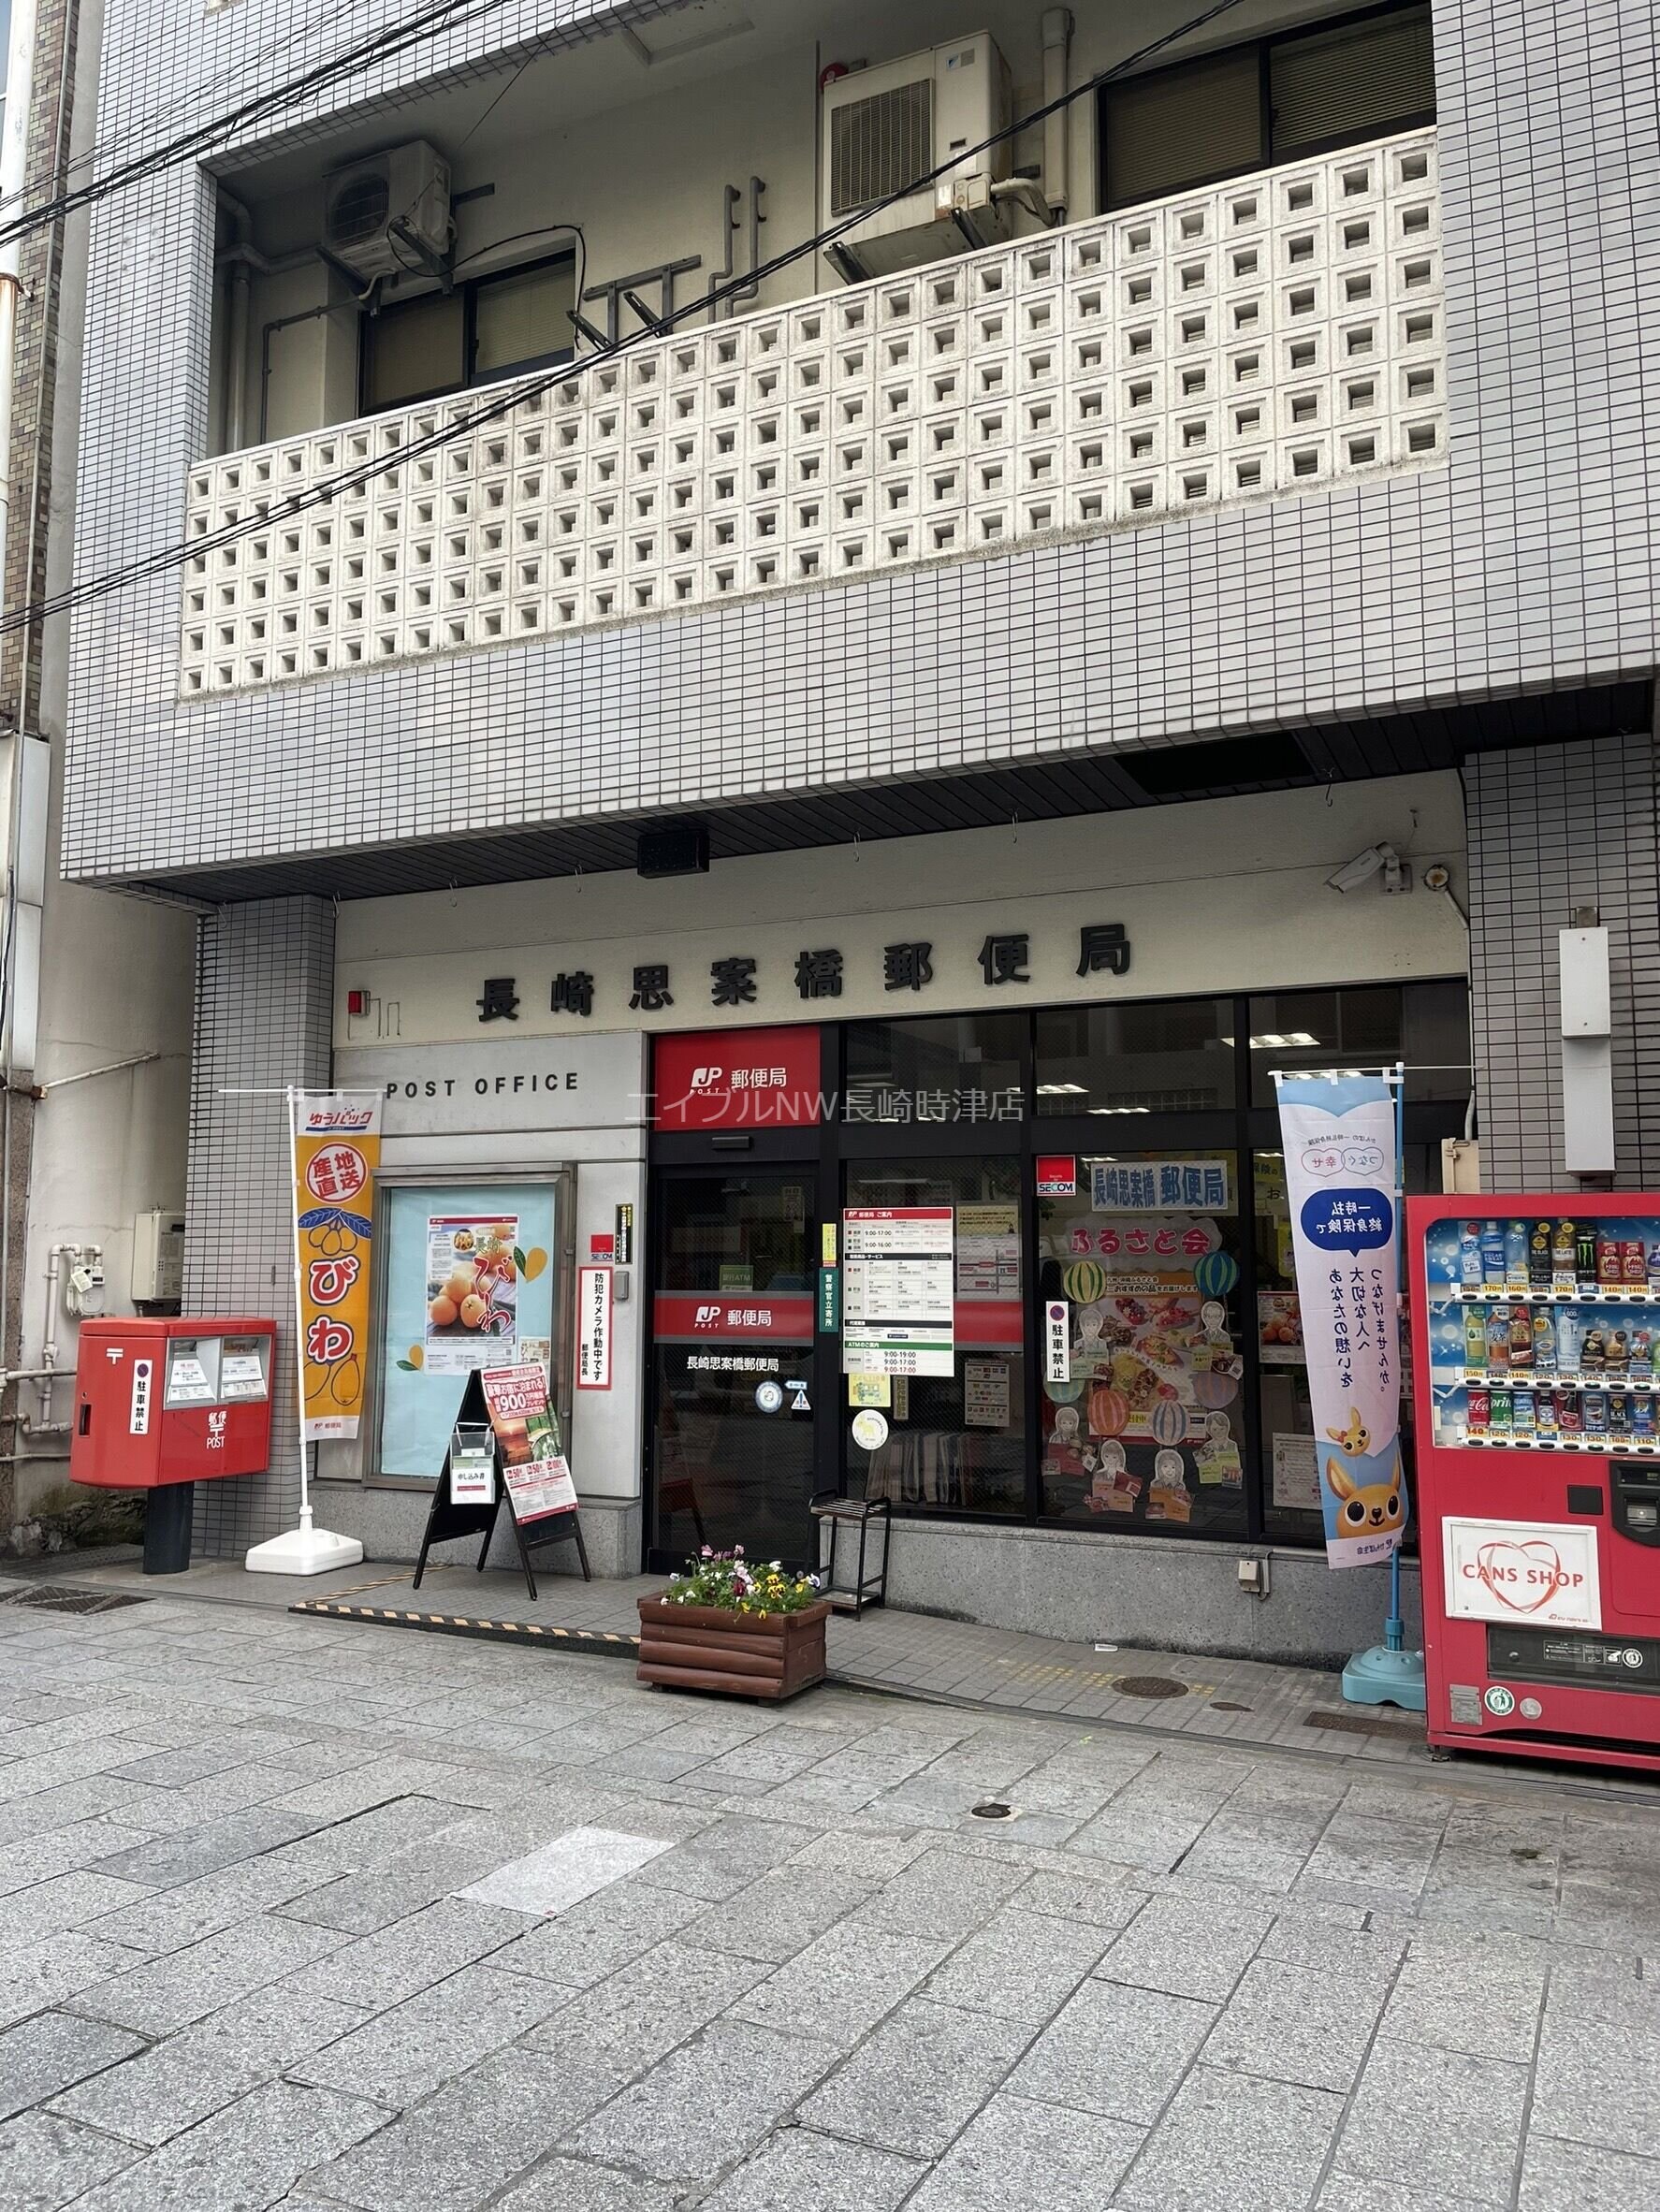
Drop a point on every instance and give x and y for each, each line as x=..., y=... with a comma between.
x=1356, y=1439
x=1368, y=1508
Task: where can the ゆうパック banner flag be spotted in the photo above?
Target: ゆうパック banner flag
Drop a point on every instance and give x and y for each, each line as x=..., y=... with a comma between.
x=336, y=1144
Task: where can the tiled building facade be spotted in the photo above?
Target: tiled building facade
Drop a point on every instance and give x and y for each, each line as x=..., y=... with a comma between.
x=1420, y=609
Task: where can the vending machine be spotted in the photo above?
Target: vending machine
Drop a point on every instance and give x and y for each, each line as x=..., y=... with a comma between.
x=1536, y=1329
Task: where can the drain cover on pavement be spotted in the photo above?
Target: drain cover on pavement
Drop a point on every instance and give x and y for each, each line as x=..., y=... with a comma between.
x=51, y=1600
x=1149, y=1685
x=1364, y=1724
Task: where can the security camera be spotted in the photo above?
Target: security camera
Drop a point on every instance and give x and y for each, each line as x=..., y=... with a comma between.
x=1354, y=873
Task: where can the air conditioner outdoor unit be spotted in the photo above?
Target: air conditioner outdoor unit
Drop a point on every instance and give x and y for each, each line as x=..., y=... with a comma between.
x=388, y=213
x=884, y=127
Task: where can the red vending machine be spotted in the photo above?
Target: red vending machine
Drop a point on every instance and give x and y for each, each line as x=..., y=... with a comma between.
x=1536, y=1328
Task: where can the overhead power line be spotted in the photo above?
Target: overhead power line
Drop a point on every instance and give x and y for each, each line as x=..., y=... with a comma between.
x=326, y=489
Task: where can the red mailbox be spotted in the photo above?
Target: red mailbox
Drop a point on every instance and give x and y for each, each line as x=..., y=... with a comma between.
x=171, y=1401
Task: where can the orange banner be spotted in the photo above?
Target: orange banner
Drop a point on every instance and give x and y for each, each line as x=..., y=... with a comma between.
x=336, y=1140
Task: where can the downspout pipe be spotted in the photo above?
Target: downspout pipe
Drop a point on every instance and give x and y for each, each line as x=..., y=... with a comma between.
x=14, y=146
x=241, y=260
x=1058, y=40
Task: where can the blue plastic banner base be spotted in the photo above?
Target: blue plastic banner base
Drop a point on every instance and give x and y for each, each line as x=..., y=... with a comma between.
x=1385, y=1677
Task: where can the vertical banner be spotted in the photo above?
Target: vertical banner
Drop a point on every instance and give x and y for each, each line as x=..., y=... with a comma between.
x=336, y=1142
x=1341, y=1180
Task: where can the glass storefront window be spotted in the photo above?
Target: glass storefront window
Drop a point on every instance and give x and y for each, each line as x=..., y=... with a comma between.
x=469, y=1283
x=1145, y=1430
x=1157, y=1056
x=1364, y=1027
x=948, y=1068
x=954, y=1443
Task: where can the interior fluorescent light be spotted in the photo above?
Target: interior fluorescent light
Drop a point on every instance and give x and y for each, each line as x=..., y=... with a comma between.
x=1061, y=1090
x=1121, y=1110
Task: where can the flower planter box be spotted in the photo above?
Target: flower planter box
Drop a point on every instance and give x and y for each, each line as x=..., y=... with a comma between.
x=706, y=1648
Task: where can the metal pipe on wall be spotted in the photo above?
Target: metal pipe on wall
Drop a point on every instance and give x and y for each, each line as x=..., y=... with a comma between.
x=1058, y=40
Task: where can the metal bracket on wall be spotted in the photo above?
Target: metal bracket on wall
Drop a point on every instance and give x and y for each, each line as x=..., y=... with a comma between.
x=612, y=294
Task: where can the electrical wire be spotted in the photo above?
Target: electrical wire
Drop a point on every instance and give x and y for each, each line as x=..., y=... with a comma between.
x=207, y=136
x=327, y=490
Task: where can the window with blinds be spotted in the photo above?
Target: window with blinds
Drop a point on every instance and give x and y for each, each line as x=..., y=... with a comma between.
x=1353, y=78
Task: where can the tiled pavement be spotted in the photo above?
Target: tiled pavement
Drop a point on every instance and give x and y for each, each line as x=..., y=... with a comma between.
x=1188, y=1976
x=913, y=1655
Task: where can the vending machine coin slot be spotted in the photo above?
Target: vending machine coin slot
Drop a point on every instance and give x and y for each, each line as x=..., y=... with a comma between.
x=1635, y=1488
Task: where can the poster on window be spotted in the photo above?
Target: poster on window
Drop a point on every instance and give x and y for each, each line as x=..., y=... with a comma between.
x=1341, y=1182
x=336, y=1146
x=899, y=1289
x=534, y=1468
x=471, y=1291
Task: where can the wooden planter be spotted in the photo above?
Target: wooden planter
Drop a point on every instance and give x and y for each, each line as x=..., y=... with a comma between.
x=706, y=1648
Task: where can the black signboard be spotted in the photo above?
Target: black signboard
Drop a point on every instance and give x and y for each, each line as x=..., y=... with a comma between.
x=446, y=1520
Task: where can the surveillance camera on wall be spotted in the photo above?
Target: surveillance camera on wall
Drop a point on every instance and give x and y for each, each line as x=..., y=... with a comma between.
x=1377, y=859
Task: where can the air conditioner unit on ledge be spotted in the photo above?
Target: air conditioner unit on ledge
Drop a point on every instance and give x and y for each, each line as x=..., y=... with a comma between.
x=883, y=126
x=390, y=214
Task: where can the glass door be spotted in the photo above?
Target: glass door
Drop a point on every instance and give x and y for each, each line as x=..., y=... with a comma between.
x=733, y=1374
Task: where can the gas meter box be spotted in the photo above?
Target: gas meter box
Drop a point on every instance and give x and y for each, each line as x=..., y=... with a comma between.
x=159, y=1402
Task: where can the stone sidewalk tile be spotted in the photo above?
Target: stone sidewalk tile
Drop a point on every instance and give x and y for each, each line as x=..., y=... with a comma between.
x=807, y=2172
x=1576, y=2176
x=171, y=1920
x=46, y=2162
x=1355, y=2192
x=246, y=2155
x=397, y=2057
x=1596, y=2080
x=843, y=1982
x=706, y=2104
x=570, y=2185
x=1437, y=2118
x=62, y=1851
x=176, y=2083
x=1485, y=2005
x=718, y=1861
x=382, y=1969
x=58, y=1970
x=945, y=1892
x=1115, y=2050
x=163, y=1994
x=464, y=2144
x=51, y=2052
x=648, y=2007
x=1042, y=2158
x=1173, y=1945
x=1230, y=2143
x=780, y=1914
x=62, y=1902
x=918, y=2080
x=1021, y=1966
x=602, y=1933
x=188, y=1853
x=1293, y=2026
x=1093, y=1894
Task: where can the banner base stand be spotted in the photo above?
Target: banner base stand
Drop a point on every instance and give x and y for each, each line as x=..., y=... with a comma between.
x=1382, y=1677
x=304, y=1550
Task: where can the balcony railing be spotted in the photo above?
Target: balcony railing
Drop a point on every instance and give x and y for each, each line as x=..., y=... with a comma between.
x=1273, y=335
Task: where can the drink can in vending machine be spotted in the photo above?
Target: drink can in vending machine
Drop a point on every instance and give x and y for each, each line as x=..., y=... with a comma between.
x=1642, y=1417
x=1570, y=1336
x=1479, y=1412
x=1544, y=1341
x=1538, y=1256
x=1469, y=1256
x=1521, y=1336
x=1522, y=1413
x=1492, y=1255
x=1516, y=1255
x=1642, y=1353
x=1499, y=1337
x=1476, y=1337
x=1569, y=1418
x=1564, y=1276
x=1655, y=1268
x=1610, y=1263
x=1596, y=1413
x=1619, y=1415
x=1498, y=1412
x=1549, y=1428
x=1586, y=1256
x=1635, y=1263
